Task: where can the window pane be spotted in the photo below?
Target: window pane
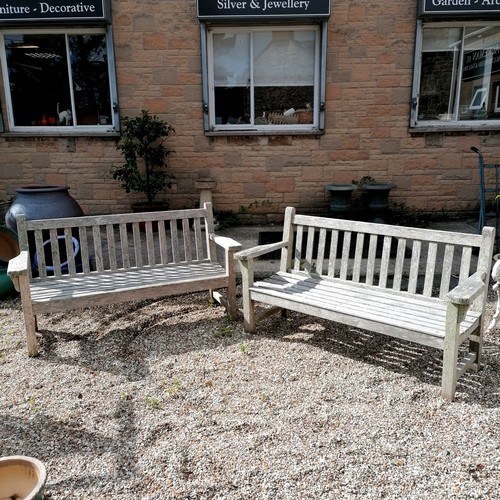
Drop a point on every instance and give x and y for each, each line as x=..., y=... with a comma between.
x=479, y=95
x=232, y=59
x=284, y=58
x=440, y=60
x=89, y=68
x=284, y=76
x=38, y=76
x=232, y=78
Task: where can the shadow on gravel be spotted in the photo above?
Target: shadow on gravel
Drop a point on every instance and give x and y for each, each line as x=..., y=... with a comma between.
x=395, y=355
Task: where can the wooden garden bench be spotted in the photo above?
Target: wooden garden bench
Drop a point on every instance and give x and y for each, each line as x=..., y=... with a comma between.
x=420, y=285
x=105, y=259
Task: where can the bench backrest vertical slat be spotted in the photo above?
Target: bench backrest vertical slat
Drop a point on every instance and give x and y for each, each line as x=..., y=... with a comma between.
x=446, y=271
x=398, y=267
x=99, y=260
x=198, y=240
x=84, y=248
x=299, y=234
x=124, y=244
x=346, y=249
x=70, y=250
x=286, y=252
x=358, y=255
x=186, y=238
x=308, y=264
x=54, y=250
x=208, y=218
x=416, y=253
x=430, y=269
x=484, y=262
x=372, y=255
x=465, y=264
x=136, y=235
x=162, y=238
x=332, y=259
x=40, y=254
x=320, y=258
x=174, y=239
x=150, y=244
x=110, y=237
x=384, y=265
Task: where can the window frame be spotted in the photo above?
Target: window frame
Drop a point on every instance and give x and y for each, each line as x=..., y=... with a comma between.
x=66, y=130
x=445, y=125
x=319, y=83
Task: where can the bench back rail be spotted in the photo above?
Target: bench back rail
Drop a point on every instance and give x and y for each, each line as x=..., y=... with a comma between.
x=418, y=261
x=112, y=242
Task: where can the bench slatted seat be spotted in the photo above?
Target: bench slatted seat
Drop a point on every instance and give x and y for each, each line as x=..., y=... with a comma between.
x=420, y=285
x=85, y=261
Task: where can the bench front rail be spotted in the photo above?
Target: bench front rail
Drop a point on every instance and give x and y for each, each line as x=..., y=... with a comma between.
x=420, y=285
x=95, y=260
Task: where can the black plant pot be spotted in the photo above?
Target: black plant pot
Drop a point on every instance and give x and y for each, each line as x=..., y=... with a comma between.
x=340, y=203
x=377, y=199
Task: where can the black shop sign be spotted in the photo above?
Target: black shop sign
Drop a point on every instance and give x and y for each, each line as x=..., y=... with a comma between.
x=230, y=9
x=459, y=7
x=15, y=11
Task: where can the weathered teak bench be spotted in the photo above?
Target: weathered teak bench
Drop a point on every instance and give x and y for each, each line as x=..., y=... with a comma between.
x=420, y=285
x=96, y=260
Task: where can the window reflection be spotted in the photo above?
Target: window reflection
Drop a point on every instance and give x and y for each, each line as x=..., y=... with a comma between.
x=264, y=77
x=48, y=88
x=460, y=74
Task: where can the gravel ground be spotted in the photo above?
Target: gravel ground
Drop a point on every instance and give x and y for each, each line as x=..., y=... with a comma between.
x=167, y=399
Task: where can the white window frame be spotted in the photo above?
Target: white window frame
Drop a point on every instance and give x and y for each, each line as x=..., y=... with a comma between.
x=210, y=125
x=67, y=130
x=451, y=123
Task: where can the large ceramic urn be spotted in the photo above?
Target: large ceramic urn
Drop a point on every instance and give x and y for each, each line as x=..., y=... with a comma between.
x=42, y=202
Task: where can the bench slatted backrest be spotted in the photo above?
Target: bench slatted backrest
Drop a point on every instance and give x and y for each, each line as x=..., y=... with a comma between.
x=111, y=242
x=415, y=260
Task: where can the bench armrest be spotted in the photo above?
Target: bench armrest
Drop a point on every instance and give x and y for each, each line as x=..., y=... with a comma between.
x=468, y=290
x=257, y=251
x=225, y=242
x=18, y=267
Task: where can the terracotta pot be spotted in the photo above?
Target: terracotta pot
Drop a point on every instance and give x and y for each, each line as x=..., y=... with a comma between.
x=22, y=478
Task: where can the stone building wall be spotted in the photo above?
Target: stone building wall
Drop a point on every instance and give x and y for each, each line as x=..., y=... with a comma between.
x=369, y=76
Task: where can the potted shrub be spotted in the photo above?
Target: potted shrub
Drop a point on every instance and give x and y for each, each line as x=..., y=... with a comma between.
x=144, y=152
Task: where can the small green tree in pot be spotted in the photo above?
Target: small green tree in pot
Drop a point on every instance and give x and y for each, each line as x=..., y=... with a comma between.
x=144, y=170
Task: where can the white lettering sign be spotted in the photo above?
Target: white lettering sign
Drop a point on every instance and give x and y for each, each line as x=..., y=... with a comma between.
x=63, y=9
x=263, y=5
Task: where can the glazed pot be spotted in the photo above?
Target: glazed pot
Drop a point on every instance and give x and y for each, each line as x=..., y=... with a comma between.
x=42, y=202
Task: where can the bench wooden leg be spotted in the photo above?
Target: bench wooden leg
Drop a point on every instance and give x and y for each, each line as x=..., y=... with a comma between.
x=247, y=274
x=231, y=298
x=476, y=346
x=31, y=327
x=30, y=321
x=454, y=314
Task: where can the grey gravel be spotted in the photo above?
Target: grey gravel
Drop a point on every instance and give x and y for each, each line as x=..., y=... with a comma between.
x=168, y=399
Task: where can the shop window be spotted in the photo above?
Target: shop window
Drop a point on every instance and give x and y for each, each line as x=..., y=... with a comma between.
x=264, y=79
x=59, y=82
x=457, y=78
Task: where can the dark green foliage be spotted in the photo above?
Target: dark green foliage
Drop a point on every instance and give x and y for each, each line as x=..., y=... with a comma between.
x=142, y=146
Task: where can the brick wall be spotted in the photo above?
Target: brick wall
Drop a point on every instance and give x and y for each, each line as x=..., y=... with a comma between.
x=369, y=75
